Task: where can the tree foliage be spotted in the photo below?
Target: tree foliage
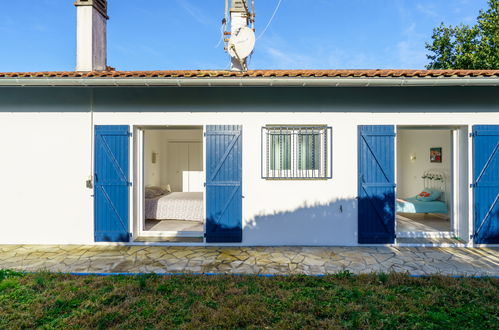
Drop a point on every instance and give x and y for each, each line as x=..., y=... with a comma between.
x=467, y=47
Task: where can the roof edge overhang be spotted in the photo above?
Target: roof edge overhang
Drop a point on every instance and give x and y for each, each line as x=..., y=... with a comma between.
x=250, y=82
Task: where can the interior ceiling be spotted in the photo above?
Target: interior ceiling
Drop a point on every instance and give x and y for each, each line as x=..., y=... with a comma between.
x=427, y=127
x=170, y=127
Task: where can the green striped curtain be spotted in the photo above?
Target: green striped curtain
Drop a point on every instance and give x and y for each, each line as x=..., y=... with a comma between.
x=308, y=151
x=280, y=152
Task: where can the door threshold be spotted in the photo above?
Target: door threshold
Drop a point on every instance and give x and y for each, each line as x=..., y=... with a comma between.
x=430, y=245
x=169, y=239
x=173, y=233
x=425, y=234
x=429, y=241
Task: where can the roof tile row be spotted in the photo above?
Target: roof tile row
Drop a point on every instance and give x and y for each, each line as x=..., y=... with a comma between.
x=253, y=73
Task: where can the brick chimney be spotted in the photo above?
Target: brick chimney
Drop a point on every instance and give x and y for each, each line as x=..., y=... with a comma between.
x=91, y=22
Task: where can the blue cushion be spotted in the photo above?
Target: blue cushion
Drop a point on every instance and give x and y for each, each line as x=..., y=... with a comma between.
x=428, y=195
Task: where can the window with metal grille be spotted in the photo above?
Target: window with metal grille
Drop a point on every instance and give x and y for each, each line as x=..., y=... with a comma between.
x=296, y=152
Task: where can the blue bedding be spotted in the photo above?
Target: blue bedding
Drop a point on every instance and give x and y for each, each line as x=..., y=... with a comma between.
x=413, y=205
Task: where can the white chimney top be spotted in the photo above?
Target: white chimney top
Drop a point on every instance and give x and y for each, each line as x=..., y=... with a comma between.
x=91, y=53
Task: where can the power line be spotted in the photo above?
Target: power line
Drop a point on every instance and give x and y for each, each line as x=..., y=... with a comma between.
x=224, y=23
x=270, y=20
x=222, y=28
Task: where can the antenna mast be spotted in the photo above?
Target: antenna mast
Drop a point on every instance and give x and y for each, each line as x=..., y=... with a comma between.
x=241, y=39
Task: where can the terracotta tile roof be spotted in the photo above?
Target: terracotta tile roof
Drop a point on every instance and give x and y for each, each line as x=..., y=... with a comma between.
x=256, y=74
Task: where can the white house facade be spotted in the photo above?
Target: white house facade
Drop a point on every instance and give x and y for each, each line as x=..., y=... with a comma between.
x=319, y=158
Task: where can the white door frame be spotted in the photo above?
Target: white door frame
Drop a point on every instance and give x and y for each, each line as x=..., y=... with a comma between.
x=138, y=193
x=138, y=182
x=454, y=214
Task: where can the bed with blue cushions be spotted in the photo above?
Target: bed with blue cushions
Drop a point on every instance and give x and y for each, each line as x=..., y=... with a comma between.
x=430, y=199
x=413, y=205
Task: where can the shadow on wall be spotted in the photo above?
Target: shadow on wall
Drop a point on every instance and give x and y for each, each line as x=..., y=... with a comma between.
x=330, y=223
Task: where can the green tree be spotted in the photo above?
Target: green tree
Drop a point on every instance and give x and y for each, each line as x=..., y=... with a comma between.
x=467, y=47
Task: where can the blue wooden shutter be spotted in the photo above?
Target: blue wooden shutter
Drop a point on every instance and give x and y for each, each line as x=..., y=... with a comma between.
x=223, y=183
x=486, y=183
x=376, y=184
x=111, y=184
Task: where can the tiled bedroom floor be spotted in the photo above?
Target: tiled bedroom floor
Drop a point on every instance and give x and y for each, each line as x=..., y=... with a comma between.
x=173, y=225
x=421, y=222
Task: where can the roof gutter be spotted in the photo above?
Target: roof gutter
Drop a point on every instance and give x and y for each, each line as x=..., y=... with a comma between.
x=249, y=82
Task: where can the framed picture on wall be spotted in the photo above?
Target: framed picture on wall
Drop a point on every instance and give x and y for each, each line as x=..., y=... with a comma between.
x=436, y=155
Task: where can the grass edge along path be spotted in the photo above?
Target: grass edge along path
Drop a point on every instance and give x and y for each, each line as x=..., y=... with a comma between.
x=345, y=300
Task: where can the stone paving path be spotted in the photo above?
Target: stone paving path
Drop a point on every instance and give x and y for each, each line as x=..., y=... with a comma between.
x=250, y=260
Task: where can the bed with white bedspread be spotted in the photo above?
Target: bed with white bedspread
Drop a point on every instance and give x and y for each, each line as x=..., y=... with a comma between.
x=175, y=206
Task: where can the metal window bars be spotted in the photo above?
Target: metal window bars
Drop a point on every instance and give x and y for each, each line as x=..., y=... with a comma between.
x=302, y=152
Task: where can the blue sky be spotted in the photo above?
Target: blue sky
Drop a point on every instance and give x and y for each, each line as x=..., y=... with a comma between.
x=39, y=35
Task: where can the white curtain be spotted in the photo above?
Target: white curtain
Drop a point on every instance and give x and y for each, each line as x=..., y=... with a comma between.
x=308, y=151
x=280, y=152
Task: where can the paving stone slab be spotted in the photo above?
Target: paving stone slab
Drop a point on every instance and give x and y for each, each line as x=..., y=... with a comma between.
x=250, y=260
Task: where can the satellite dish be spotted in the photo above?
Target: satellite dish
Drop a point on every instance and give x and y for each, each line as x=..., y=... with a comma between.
x=242, y=43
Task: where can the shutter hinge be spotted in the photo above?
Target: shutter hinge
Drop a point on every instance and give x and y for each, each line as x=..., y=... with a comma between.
x=204, y=235
x=129, y=184
x=472, y=134
x=204, y=184
x=129, y=134
x=471, y=236
x=472, y=185
x=204, y=134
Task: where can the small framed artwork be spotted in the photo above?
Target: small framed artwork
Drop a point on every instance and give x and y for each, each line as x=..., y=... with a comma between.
x=436, y=155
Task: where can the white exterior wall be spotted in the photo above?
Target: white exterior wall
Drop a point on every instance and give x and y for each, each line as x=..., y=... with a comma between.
x=45, y=162
x=46, y=158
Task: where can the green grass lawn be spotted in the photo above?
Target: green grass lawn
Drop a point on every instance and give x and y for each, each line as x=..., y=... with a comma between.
x=196, y=301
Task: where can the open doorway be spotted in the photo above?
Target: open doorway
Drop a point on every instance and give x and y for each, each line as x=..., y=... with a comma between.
x=173, y=183
x=425, y=189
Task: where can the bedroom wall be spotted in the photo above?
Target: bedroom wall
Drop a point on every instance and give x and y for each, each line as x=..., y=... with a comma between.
x=418, y=143
x=162, y=172
x=152, y=171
